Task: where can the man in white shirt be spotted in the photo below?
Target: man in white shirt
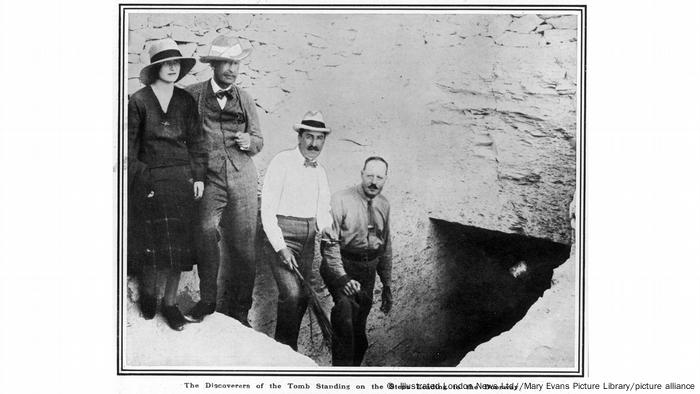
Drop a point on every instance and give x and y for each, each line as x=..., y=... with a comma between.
x=295, y=205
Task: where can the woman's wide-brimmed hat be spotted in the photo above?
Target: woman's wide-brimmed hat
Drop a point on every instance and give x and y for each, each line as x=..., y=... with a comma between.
x=162, y=51
x=312, y=121
x=226, y=49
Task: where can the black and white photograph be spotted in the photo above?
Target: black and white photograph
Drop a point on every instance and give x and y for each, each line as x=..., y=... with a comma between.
x=311, y=197
x=331, y=188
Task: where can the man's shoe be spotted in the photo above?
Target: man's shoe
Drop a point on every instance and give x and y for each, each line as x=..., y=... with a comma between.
x=148, y=306
x=245, y=322
x=197, y=313
x=242, y=317
x=173, y=316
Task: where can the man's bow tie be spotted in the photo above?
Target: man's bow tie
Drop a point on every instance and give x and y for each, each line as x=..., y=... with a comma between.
x=224, y=93
x=309, y=163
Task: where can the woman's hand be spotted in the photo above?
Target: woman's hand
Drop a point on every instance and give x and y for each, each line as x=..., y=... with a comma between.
x=198, y=190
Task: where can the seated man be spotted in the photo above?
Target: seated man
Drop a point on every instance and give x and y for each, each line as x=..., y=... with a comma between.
x=362, y=240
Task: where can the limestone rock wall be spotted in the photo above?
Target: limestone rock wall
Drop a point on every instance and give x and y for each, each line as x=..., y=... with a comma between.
x=476, y=115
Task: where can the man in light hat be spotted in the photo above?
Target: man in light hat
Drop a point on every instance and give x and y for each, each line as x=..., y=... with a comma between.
x=230, y=121
x=295, y=205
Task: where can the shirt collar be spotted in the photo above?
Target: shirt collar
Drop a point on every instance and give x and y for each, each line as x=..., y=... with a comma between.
x=361, y=192
x=214, y=86
x=302, y=157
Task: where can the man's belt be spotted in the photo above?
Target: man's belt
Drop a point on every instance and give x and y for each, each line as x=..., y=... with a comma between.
x=361, y=256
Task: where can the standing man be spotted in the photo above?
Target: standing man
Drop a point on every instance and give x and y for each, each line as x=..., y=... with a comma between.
x=361, y=227
x=230, y=121
x=295, y=205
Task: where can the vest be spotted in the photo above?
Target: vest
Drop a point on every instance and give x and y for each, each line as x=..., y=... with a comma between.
x=220, y=126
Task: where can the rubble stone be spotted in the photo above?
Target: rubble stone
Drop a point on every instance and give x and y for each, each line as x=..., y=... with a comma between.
x=543, y=27
x=182, y=34
x=133, y=85
x=511, y=39
x=525, y=24
x=556, y=36
x=564, y=22
x=187, y=49
x=136, y=42
x=137, y=21
x=187, y=80
x=207, y=38
x=155, y=34
x=135, y=69
x=498, y=25
x=160, y=20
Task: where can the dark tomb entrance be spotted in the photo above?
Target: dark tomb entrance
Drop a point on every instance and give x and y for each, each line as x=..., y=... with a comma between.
x=467, y=286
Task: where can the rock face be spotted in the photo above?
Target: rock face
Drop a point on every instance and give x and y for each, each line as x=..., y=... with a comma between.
x=150, y=343
x=476, y=115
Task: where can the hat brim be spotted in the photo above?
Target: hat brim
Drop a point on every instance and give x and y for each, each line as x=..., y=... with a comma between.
x=298, y=127
x=186, y=65
x=208, y=59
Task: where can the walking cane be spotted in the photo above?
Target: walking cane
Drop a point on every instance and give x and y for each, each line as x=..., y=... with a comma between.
x=316, y=308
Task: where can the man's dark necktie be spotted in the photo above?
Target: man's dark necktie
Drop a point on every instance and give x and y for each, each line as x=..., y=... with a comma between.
x=309, y=163
x=224, y=93
x=371, y=220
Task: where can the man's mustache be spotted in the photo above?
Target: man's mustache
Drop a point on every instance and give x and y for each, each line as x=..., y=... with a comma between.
x=373, y=187
x=315, y=148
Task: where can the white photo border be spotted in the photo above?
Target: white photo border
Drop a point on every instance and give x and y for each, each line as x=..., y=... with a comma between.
x=580, y=242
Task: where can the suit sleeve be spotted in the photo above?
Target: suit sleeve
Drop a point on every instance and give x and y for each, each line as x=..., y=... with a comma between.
x=194, y=90
x=385, y=261
x=196, y=142
x=253, y=124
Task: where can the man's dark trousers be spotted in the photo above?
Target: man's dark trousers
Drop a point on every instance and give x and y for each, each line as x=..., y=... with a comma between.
x=349, y=314
x=229, y=200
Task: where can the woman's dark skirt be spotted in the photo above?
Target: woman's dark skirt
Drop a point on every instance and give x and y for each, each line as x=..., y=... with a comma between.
x=160, y=231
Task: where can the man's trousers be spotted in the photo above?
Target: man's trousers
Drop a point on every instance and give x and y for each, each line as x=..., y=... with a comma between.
x=349, y=314
x=300, y=236
x=230, y=200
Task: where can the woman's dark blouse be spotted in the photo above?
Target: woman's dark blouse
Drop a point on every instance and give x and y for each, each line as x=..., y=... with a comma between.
x=158, y=139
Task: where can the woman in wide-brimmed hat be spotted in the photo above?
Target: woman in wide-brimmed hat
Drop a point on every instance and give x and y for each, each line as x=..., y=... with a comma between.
x=167, y=161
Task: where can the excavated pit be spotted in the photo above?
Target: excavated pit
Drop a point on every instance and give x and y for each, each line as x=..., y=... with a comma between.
x=466, y=286
x=479, y=284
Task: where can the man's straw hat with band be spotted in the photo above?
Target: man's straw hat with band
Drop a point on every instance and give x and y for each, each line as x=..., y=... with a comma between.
x=312, y=121
x=162, y=51
x=226, y=49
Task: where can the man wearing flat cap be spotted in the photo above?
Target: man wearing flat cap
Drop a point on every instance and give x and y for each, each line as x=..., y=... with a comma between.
x=295, y=206
x=231, y=124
